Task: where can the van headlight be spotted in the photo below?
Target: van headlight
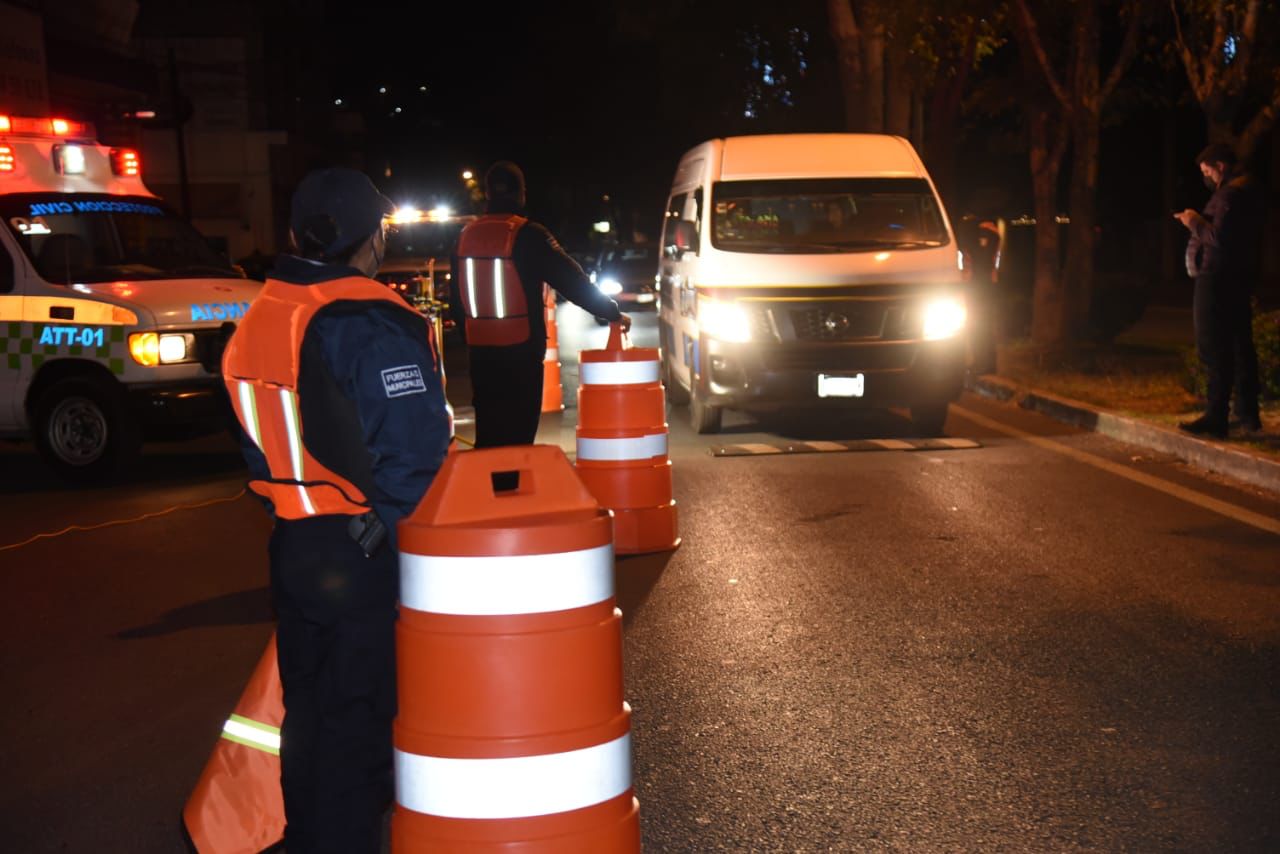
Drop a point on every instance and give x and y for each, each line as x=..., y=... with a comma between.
x=943, y=318
x=724, y=321
x=609, y=286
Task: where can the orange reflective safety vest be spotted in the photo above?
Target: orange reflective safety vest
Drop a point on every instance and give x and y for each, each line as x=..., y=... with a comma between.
x=493, y=296
x=260, y=368
x=237, y=806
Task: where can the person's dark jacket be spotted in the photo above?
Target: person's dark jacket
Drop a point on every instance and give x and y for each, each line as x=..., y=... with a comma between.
x=1226, y=238
x=389, y=446
x=539, y=258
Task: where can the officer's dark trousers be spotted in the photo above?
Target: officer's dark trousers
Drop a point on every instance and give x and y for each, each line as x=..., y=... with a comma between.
x=1224, y=344
x=336, y=637
x=507, y=386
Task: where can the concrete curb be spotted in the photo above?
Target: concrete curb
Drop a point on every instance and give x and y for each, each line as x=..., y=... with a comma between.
x=1204, y=453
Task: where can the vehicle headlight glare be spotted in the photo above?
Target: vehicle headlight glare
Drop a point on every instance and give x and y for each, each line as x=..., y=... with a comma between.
x=173, y=348
x=943, y=318
x=609, y=287
x=724, y=321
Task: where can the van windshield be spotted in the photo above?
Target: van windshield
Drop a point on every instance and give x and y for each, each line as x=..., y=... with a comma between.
x=95, y=237
x=817, y=215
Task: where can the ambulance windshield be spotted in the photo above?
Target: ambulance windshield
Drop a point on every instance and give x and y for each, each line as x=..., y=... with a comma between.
x=94, y=237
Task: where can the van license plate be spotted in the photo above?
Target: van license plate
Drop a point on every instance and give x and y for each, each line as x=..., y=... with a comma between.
x=846, y=386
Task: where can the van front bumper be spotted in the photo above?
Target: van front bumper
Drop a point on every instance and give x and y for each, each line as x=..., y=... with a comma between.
x=762, y=377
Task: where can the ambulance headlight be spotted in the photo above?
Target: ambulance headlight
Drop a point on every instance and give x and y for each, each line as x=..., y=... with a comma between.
x=69, y=159
x=724, y=321
x=174, y=348
x=610, y=287
x=943, y=318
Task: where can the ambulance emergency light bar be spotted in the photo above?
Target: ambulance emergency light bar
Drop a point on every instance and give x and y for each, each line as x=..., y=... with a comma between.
x=28, y=126
x=68, y=158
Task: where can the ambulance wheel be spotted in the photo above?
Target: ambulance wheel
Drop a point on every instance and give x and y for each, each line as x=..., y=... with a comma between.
x=677, y=395
x=84, y=431
x=704, y=417
x=929, y=419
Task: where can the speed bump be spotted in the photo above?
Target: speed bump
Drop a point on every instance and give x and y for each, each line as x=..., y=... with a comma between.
x=753, y=449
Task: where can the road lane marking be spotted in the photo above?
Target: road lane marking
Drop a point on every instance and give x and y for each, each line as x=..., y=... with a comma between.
x=753, y=449
x=1224, y=508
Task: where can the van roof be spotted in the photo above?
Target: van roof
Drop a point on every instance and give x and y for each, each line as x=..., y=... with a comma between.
x=818, y=155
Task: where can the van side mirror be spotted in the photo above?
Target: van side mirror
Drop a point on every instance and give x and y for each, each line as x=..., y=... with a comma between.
x=682, y=238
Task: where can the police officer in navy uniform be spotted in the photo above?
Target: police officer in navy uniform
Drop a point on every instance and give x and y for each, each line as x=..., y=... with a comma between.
x=338, y=385
x=500, y=264
x=1224, y=257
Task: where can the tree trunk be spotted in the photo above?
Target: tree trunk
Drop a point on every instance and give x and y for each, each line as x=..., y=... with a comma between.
x=1081, y=234
x=1049, y=304
x=873, y=41
x=848, y=40
x=898, y=87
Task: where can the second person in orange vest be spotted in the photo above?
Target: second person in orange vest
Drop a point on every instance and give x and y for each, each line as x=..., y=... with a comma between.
x=500, y=266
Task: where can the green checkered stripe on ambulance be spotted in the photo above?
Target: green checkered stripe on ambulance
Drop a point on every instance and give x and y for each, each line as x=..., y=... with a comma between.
x=20, y=346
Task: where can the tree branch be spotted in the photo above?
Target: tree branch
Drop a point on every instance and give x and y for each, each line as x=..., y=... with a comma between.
x=1259, y=125
x=1031, y=37
x=1127, y=51
x=1189, y=63
x=1213, y=56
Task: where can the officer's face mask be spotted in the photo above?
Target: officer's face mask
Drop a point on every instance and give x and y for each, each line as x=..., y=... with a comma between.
x=377, y=253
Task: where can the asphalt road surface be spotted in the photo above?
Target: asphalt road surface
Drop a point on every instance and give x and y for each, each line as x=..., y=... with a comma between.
x=1047, y=642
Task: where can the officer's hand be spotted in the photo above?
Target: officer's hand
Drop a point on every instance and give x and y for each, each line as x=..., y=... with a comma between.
x=624, y=320
x=1186, y=217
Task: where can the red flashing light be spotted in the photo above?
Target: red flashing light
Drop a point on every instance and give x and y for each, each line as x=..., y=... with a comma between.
x=125, y=162
x=60, y=127
x=6, y=158
x=29, y=126
x=5, y=124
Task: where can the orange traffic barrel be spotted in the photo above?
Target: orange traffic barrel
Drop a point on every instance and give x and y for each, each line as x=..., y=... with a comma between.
x=237, y=805
x=552, y=392
x=512, y=733
x=622, y=444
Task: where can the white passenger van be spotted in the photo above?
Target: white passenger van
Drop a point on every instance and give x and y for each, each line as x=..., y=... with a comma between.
x=807, y=270
x=113, y=311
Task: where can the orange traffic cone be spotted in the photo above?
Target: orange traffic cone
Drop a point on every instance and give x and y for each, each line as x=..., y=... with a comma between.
x=622, y=444
x=237, y=806
x=552, y=392
x=512, y=733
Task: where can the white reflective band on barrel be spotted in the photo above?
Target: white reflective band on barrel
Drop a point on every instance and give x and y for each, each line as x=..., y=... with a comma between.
x=499, y=290
x=613, y=450
x=471, y=288
x=511, y=584
x=553, y=354
x=289, y=404
x=517, y=787
x=249, y=407
x=253, y=734
x=619, y=373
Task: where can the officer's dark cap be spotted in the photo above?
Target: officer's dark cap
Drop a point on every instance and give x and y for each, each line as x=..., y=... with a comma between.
x=1217, y=152
x=504, y=180
x=335, y=210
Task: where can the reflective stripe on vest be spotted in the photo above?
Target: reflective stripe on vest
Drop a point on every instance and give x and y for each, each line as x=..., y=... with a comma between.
x=253, y=734
x=619, y=373
x=514, y=584
x=249, y=406
x=289, y=402
x=516, y=787
x=616, y=450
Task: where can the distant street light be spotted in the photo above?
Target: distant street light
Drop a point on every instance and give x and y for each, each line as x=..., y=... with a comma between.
x=467, y=175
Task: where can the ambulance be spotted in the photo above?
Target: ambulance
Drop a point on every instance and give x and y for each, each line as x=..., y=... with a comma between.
x=113, y=310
